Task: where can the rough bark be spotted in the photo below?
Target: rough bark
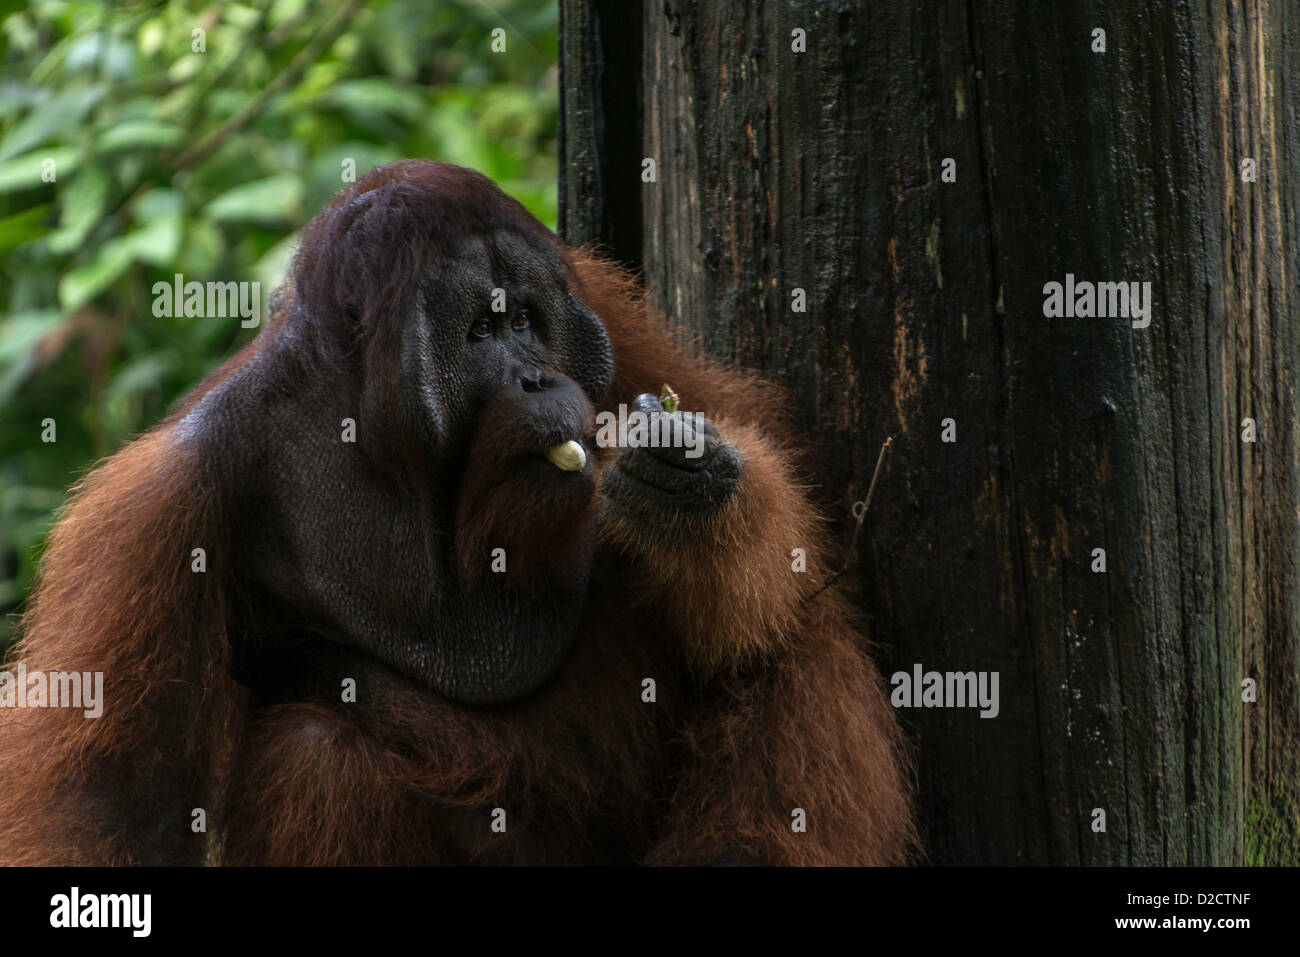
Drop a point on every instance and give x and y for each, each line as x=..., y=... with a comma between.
x=821, y=171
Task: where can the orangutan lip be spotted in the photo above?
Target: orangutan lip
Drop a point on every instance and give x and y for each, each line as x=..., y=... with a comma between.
x=569, y=456
x=587, y=443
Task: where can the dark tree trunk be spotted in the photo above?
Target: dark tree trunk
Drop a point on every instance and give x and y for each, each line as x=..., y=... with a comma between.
x=821, y=171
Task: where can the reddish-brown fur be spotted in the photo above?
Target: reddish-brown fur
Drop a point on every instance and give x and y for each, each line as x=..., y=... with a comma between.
x=766, y=702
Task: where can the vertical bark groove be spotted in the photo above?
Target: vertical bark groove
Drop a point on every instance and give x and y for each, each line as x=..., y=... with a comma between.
x=822, y=171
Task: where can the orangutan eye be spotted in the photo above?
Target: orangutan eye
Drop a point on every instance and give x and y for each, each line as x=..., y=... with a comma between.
x=481, y=329
x=521, y=320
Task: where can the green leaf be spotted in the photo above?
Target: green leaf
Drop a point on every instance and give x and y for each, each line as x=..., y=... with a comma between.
x=157, y=242
x=20, y=332
x=139, y=134
x=186, y=68
x=142, y=374
x=80, y=285
x=152, y=35
x=156, y=202
x=58, y=115
x=274, y=264
x=366, y=97
x=10, y=6
x=24, y=172
x=23, y=227
x=202, y=248
x=100, y=54
x=17, y=96
x=272, y=200
x=83, y=204
x=158, y=239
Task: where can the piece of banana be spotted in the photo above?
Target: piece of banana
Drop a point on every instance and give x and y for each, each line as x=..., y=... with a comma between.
x=569, y=456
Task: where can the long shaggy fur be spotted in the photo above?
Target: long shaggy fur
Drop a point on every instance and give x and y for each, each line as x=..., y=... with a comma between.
x=766, y=702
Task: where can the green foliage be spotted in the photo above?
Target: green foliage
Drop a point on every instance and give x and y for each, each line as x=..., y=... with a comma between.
x=1272, y=827
x=140, y=140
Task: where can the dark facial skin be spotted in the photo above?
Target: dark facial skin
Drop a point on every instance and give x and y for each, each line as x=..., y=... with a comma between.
x=458, y=355
x=387, y=545
x=341, y=543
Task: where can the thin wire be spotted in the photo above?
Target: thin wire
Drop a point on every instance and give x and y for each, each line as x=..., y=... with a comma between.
x=859, y=513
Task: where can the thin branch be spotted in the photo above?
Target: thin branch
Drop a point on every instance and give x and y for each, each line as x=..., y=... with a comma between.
x=291, y=75
x=859, y=513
